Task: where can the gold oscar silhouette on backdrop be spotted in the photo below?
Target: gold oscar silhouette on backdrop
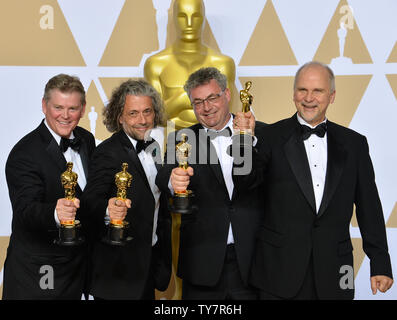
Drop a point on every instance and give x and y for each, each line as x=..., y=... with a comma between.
x=168, y=71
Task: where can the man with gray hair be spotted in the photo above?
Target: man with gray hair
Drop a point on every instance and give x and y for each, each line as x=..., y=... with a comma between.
x=217, y=240
x=315, y=171
x=136, y=269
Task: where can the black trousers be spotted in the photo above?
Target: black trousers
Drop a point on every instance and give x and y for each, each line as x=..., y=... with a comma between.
x=229, y=287
x=148, y=291
x=306, y=292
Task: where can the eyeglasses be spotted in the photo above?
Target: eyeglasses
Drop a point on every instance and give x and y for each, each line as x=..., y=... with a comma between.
x=211, y=99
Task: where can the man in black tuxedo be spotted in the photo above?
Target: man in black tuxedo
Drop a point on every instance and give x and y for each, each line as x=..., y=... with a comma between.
x=217, y=240
x=36, y=267
x=314, y=172
x=132, y=271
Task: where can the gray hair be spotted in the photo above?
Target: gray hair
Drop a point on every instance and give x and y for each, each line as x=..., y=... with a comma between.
x=65, y=84
x=114, y=109
x=204, y=76
x=318, y=64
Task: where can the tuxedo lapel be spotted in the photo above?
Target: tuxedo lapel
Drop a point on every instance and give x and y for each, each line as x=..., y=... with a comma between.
x=296, y=154
x=55, y=153
x=335, y=164
x=52, y=148
x=130, y=150
x=207, y=148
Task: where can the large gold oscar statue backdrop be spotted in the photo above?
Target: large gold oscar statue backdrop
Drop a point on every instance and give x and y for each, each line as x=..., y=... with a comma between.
x=168, y=71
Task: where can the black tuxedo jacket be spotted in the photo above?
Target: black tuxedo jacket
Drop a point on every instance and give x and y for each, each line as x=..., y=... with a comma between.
x=292, y=231
x=122, y=272
x=33, y=172
x=203, y=236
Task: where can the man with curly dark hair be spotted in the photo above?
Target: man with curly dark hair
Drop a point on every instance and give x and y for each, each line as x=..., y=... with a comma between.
x=132, y=271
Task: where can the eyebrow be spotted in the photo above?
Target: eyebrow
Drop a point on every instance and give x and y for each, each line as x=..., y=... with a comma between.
x=212, y=94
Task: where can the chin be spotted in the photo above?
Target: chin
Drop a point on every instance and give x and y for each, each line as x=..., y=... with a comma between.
x=64, y=133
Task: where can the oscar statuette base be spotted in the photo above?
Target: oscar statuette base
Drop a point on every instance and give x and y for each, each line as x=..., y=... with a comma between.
x=183, y=202
x=116, y=234
x=70, y=235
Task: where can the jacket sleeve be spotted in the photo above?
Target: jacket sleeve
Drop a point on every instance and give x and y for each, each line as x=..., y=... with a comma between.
x=370, y=215
x=26, y=185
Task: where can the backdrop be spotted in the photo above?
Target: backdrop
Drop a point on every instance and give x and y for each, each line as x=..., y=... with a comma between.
x=106, y=41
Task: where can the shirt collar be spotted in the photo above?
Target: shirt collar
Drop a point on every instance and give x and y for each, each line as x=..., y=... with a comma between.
x=155, y=133
x=56, y=136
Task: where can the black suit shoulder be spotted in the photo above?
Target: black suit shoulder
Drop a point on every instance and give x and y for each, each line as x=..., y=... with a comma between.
x=270, y=135
x=41, y=136
x=84, y=134
x=27, y=142
x=344, y=132
x=260, y=127
x=114, y=142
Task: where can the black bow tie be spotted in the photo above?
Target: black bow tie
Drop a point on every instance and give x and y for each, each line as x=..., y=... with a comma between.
x=142, y=145
x=224, y=133
x=320, y=130
x=73, y=143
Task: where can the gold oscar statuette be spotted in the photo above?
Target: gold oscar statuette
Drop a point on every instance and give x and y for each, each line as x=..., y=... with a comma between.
x=246, y=99
x=182, y=200
x=242, y=139
x=69, y=230
x=117, y=229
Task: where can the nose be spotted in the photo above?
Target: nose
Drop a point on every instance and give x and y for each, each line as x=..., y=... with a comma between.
x=206, y=105
x=309, y=97
x=189, y=19
x=65, y=113
x=141, y=118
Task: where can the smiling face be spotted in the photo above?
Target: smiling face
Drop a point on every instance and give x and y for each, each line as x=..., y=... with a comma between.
x=63, y=111
x=137, y=116
x=189, y=15
x=215, y=114
x=312, y=94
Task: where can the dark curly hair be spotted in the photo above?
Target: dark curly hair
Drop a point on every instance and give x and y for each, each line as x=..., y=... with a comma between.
x=114, y=109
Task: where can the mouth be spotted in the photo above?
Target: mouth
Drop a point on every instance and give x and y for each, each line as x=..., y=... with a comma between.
x=141, y=128
x=64, y=123
x=309, y=106
x=209, y=115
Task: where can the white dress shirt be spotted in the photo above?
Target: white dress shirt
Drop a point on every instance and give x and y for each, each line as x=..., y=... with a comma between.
x=221, y=143
x=151, y=171
x=317, y=154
